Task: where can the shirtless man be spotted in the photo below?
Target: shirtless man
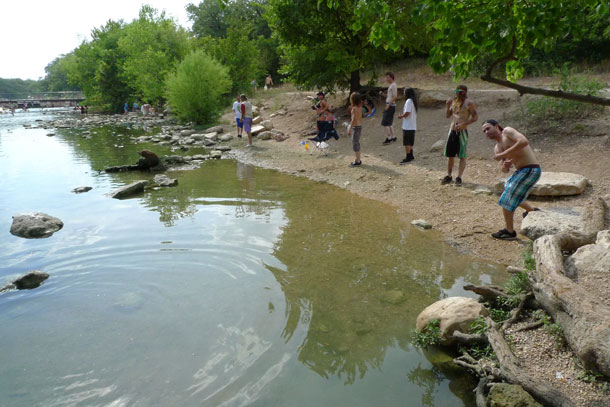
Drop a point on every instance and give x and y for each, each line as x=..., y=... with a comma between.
x=390, y=109
x=513, y=149
x=463, y=112
x=355, y=127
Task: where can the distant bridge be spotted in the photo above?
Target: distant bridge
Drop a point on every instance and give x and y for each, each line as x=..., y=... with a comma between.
x=43, y=99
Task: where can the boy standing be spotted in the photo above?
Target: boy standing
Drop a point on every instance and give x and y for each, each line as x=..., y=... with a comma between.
x=237, y=110
x=355, y=126
x=390, y=108
x=246, y=114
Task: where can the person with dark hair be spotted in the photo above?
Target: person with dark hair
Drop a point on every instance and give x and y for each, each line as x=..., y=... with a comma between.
x=147, y=161
x=237, y=110
x=246, y=117
x=355, y=127
x=513, y=149
x=463, y=112
x=409, y=124
x=390, y=108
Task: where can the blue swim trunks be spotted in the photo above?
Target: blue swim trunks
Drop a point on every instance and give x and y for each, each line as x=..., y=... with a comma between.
x=518, y=187
x=240, y=122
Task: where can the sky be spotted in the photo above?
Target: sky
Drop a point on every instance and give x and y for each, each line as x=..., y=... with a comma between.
x=34, y=32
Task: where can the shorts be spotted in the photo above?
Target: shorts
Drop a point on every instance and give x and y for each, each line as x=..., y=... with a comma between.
x=518, y=187
x=240, y=122
x=408, y=137
x=457, y=143
x=388, y=116
x=247, y=124
x=356, y=130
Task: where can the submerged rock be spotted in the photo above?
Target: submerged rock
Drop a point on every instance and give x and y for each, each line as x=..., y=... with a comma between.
x=128, y=190
x=35, y=225
x=421, y=223
x=80, y=190
x=165, y=181
x=30, y=280
x=510, y=395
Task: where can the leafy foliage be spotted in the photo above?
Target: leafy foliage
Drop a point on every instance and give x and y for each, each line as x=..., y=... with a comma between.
x=57, y=74
x=18, y=88
x=464, y=32
x=478, y=326
x=326, y=44
x=429, y=336
x=195, y=90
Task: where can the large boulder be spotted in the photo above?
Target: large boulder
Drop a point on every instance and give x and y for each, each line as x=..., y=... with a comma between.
x=454, y=314
x=550, y=221
x=31, y=279
x=35, y=225
x=265, y=135
x=128, y=190
x=555, y=184
x=226, y=137
x=267, y=124
x=510, y=395
x=211, y=136
x=257, y=120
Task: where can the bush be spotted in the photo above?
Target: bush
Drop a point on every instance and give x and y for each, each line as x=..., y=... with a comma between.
x=429, y=336
x=195, y=90
x=546, y=108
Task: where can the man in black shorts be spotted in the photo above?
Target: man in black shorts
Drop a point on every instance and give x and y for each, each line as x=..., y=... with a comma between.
x=390, y=108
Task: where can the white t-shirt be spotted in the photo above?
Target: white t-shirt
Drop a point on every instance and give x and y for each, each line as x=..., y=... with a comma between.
x=409, y=122
x=392, y=93
x=237, y=109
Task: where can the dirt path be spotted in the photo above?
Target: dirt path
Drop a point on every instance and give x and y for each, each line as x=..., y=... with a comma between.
x=465, y=219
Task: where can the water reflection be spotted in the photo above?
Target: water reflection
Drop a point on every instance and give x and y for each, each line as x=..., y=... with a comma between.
x=239, y=286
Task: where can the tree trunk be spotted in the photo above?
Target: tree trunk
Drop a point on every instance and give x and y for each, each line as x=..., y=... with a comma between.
x=354, y=81
x=584, y=318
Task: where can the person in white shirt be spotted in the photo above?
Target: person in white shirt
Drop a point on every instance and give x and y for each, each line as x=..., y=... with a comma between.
x=237, y=110
x=390, y=108
x=409, y=123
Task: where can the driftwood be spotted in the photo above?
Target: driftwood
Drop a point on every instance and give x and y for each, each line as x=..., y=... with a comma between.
x=489, y=292
x=584, y=318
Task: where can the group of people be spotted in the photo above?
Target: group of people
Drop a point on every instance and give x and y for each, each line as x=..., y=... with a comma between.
x=268, y=83
x=243, y=117
x=145, y=109
x=511, y=149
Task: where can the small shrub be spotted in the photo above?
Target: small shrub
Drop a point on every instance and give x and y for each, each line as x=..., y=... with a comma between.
x=550, y=108
x=478, y=326
x=429, y=336
x=498, y=314
x=196, y=89
x=528, y=259
x=481, y=352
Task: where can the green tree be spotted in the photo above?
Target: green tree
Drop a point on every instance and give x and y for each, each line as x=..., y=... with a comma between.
x=153, y=46
x=196, y=89
x=99, y=68
x=504, y=33
x=327, y=43
x=57, y=74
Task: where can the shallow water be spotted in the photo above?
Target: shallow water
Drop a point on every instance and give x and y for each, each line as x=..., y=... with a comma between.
x=240, y=286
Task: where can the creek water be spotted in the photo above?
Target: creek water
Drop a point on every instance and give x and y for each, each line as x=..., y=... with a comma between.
x=240, y=286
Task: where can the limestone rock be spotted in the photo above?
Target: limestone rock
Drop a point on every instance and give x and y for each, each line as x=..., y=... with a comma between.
x=431, y=99
x=257, y=129
x=165, y=181
x=128, y=190
x=35, y=225
x=550, y=221
x=510, y=395
x=197, y=136
x=267, y=124
x=223, y=148
x=482, y=190
x=208, y=143
x=437, y=146
x=216, y=154
x=200, y=157
x=555, y=184
x=592, y=258
x=421, y=223
x=226, y=137
x=80, y=190
x=215, y=129
x=210, y=136
x=257, y=120
x=188, y=132
x=454, y=314
x=265, y=135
